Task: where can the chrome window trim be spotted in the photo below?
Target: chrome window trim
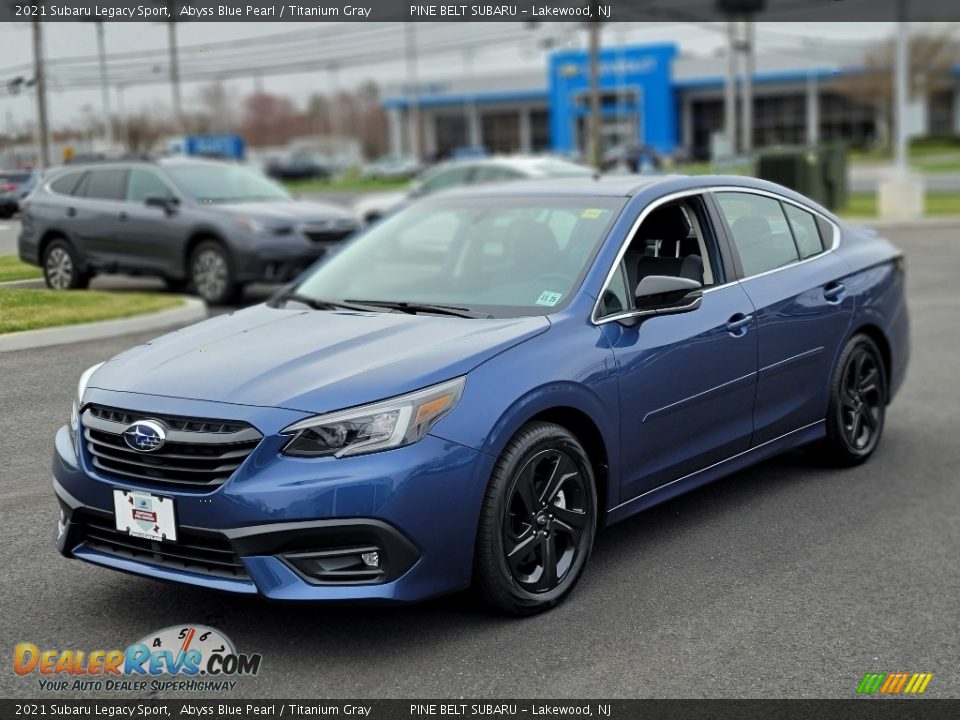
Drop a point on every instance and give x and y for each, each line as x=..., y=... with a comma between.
x=596, y=319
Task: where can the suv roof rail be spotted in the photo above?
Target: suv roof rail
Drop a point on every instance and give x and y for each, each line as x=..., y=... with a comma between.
x=92, y=159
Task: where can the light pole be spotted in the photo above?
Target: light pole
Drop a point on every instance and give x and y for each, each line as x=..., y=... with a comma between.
x=901, y=92
x=104, y=85
x=175, y=74
x=594, y=149
x=41, y=89
x=413, y=83
x=730, y=90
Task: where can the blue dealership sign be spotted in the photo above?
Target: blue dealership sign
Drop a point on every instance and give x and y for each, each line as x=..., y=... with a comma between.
x=230, y=146
x=635, y=86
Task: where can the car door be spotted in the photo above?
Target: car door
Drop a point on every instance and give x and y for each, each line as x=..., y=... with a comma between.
x=687, y=380
x=802, y=307
x=94, y=213
x=152, y=236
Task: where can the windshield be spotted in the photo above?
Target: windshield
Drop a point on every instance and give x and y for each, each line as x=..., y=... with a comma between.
x=506, y=257
x=215, y=183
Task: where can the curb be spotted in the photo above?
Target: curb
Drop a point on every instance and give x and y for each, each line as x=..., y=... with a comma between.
x=191, y=311
x=943, y=221
x=29, y=282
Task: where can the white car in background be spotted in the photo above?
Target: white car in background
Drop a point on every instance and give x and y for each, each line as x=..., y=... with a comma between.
x=457, y=173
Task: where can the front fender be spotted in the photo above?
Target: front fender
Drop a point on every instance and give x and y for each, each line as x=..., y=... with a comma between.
x=569, y=366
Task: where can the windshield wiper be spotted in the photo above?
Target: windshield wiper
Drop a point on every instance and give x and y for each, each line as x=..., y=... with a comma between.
x=413, y=308
x=317, y=304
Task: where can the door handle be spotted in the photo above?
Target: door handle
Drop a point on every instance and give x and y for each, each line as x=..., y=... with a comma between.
x=739, y=324
x=833, y=292
x=123, y=216
x=71, y=211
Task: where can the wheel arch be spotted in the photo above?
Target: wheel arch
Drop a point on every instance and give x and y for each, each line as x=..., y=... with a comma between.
x=197, y=236
x=879, y=338
x=586, y=431
x=582, y=413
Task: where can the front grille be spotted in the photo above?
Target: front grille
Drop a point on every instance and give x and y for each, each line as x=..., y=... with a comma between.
x=198, y=552
x=327, y=237
x=199, y=453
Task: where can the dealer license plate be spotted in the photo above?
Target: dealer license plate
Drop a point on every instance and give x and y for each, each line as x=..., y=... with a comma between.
x=145, y=515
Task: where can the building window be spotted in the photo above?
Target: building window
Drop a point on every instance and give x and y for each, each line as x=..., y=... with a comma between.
x=501, y=132
x=451, y=134
x=540, y=131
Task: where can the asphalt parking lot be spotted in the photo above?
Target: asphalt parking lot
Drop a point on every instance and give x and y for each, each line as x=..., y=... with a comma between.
x=787, y=580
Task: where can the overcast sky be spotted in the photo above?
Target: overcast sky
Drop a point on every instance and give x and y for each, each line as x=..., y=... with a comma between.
x=67, y=105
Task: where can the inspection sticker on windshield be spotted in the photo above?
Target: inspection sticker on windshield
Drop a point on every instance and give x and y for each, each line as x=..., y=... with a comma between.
x=591, y=213
x=549, y=298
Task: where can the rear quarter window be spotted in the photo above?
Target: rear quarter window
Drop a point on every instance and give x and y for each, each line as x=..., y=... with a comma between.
x=66, y=183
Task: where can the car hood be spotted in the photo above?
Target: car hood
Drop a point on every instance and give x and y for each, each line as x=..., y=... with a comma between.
x=288, y=211
x=309, y=360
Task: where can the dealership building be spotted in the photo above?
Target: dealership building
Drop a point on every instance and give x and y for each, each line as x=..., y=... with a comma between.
x=650, y=95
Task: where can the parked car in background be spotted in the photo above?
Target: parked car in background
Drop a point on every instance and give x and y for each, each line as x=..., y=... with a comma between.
x=299, y=166
x=391, y=167
x=457, y=173
x=207, y=225
x=472, y=387
x=15, y=185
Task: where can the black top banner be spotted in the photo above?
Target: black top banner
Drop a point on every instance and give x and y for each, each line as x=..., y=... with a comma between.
x=522, y=10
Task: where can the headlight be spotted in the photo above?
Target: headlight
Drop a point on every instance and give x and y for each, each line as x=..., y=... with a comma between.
x=78, y=400
x=383, y=425
x=254, y=226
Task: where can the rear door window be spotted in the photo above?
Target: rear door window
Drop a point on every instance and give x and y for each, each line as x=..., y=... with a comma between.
x=760, y=231
x=106, y=184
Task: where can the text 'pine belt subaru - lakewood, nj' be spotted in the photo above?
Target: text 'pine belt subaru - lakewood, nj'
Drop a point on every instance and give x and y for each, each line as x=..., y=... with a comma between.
x=472, y=387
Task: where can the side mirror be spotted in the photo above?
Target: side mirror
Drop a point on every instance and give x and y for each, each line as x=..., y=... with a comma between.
x=666, y=294
x=167, y=204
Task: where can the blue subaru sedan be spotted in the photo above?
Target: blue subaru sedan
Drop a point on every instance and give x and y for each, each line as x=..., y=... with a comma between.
x=466, y=392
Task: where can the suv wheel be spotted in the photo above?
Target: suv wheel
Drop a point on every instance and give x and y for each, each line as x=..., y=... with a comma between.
x=211, y=273
x=61, y=268
x=537, y=522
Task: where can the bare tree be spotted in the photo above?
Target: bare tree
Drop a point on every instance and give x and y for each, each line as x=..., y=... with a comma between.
x=143, y=132
x=218, y=106
x=932, y=59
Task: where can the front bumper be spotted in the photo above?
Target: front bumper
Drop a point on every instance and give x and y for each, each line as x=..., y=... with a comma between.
x=282, y=260
x=418, y=505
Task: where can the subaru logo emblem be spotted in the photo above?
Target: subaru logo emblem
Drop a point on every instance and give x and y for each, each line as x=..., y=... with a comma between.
x=145, y=436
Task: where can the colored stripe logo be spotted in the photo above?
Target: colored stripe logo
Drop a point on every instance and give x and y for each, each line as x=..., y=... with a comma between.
x=894, y=683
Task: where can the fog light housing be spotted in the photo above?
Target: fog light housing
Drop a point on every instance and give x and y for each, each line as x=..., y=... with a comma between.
x=341, y=566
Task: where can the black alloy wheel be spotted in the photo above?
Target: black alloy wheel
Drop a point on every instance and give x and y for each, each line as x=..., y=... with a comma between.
x=538, y=521
x=858, y=401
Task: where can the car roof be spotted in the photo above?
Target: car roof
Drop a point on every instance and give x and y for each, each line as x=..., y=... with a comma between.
x=618, y=186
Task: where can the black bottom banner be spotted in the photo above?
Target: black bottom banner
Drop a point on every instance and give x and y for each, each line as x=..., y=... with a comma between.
x=540, y=709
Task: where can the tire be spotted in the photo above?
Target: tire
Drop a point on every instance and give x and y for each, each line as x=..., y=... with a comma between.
x=858, y=402
x=212, y=275
x=545, y=460
x=61, y=267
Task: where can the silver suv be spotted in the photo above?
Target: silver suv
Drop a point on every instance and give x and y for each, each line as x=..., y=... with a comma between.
x=207, y=225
